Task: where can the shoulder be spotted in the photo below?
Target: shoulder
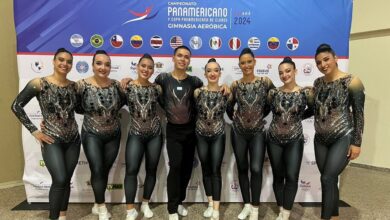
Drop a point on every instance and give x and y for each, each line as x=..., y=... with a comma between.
x=356, y=83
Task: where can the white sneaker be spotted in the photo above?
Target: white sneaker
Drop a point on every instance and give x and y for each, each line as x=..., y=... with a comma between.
x=182, y=211
x=173, y=216
x=254, y=214
x=245, y=212
x=132, y=214
x=62, y=218
x=208, y=212
x=95, y=210
x=215, y=215
x=146, y=210
x=280, y=216
x=285, y=214
x=103, y=213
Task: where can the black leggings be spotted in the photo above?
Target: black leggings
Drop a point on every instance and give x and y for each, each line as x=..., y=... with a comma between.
x=101, y=152
x=331, y=161
x=136, y=147
x=211, y=151
x=254, y=144
x=285, y=162
x=181, y=142
x=61, y=160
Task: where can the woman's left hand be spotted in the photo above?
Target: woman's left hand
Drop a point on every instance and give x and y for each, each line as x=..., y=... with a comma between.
x=353, y=152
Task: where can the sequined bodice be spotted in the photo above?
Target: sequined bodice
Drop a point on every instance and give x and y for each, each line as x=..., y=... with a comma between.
x=251, y=105
x=211, y=106
x=333, y=117
x=287, y=113
x=57, y=106
x=100, y=106
x=142, y=102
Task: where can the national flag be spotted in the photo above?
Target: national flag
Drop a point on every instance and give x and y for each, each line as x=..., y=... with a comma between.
x=136, y=41
x=254, y=43
x=292, y=43
x=156, y=42
x=215, y=43
x=176, y=41
x=273, y=43
x=234, y=43
x=116, y=41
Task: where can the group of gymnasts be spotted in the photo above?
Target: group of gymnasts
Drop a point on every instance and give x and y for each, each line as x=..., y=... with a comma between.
x=195, y=120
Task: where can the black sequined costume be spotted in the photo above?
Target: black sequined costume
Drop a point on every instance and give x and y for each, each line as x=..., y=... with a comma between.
x=333, y=117
x=211, y=106
x=288, y=111
x=57, y=105
x=100, y=106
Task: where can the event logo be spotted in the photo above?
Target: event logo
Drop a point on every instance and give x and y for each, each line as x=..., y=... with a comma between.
x=42, y=186
x=82, y=67
x=292, y=43
x=156, y=42
x=37, y=66
x=139, y=16
x=196, y=42
x=234, y=186
x=307, y=69
x=254, y=43
x=194, y=186
x=159, y=65
x=273, y=43
x=96, y=40
x=115, y=68
x=304, y=185
x=136, y=41
x=175, y=41
x=114, y=186
x=215, y=43
x=82, y=163
x=116, y=41
x=76, y=40
x=42, y=163
x=234, y=43
x=35, y=115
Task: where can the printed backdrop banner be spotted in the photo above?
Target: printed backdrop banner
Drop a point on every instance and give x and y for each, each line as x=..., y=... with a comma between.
x=219, y=28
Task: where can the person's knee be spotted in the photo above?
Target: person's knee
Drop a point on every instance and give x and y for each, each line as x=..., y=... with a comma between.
x=328, y=180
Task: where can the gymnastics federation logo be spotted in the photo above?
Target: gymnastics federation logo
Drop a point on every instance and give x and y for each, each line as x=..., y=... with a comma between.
x=76, y=40
x=254, y=43
x=175, y=41
x=292, y=43
x=234, y=43
x=156, y=42
x=116, y=41
x=215, y=43
x=136, y=41
x=307, y=69
x=273, y=43
x=304, y=185
x=97, y=40
x=139, y=16
x=82, y=67
x=37, y=66
x=196, y=42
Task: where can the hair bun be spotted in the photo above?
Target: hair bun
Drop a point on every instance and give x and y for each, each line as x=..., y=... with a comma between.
x=212, y=60
x=287, y=59
x=324, y=48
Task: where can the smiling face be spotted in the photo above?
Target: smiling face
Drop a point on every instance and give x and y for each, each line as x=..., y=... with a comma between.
x=181, y=59
x=145, y=68
x=287, y=73
x=247, y=64
x=63, y=63
x=212, y=72
x=326, y=63
x=101, y=66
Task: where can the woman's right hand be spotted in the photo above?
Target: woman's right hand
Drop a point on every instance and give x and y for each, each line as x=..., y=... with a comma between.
x=125, y=81
x=42, y=138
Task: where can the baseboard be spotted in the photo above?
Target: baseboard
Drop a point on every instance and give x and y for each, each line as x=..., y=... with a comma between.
x=383, y=169
x=11, y=184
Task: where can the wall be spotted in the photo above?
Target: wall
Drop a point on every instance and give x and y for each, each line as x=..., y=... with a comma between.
x=369, y=57
x=369, y=60
x=11, y=156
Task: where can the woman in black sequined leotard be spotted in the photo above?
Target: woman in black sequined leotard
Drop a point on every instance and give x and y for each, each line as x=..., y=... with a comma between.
x=338, y=121
x=210, y=133
x=59, y=138
x=250, y=95
x=101, y=100
x=145, y=136
x=290, y=104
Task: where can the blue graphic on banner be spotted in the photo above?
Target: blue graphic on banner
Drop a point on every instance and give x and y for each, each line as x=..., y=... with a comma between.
x=211, y=28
